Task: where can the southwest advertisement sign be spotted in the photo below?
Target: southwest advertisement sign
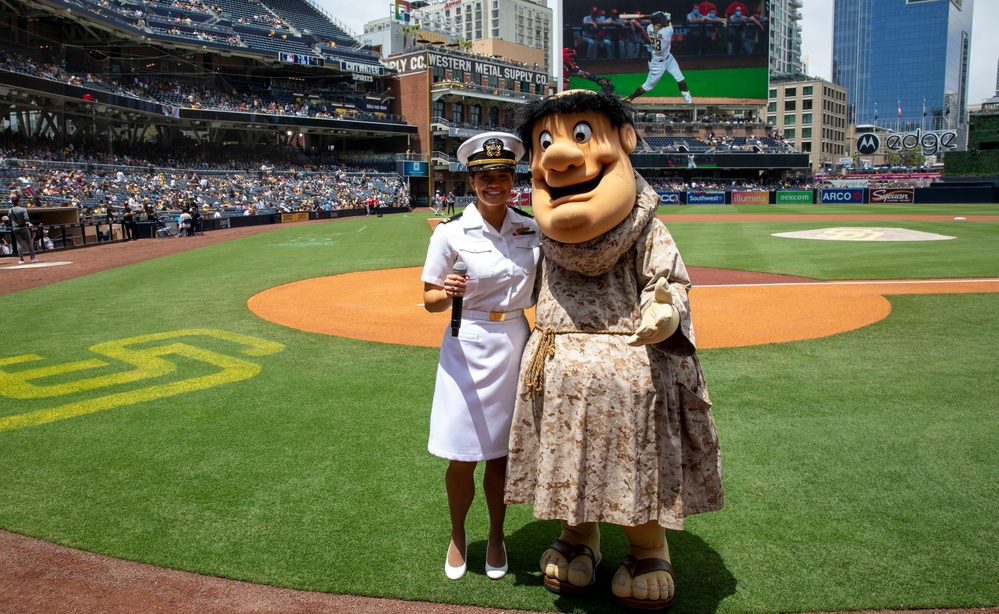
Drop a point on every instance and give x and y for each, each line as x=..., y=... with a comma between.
x=750, y=198
x=893, y=195
x=670, y=198
x=842, y=196
x=705, y=198
x=795, y=197
x=722, y=56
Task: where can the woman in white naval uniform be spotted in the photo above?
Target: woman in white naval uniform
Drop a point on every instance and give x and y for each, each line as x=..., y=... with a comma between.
x=478, y=369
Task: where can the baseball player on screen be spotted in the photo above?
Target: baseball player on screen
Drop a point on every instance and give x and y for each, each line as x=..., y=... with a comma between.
x=571, y=69
x=660, y=39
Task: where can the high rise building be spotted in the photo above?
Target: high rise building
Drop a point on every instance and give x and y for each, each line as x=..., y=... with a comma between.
x=521, y=27
x=811, y=115
x=785, y=38
x=904, y=62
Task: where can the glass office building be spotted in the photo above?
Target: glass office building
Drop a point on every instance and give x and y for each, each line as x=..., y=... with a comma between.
x=904, y=62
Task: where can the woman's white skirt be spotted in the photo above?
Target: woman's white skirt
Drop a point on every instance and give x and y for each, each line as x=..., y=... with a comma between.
x=476, y=386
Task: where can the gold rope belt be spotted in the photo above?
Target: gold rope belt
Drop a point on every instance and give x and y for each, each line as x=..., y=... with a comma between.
x=535, y=376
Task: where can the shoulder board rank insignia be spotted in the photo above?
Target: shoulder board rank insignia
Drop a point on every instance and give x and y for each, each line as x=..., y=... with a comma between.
x=454, y=217
x=520, y=211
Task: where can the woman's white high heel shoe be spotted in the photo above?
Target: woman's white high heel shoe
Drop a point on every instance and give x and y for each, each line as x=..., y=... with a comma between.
x=454, y=573
x=497, y=572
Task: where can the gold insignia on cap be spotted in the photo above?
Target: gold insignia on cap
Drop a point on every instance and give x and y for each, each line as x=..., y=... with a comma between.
x=493, y=148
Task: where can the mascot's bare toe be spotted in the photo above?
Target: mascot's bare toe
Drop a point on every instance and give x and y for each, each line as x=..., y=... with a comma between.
x=646, y=584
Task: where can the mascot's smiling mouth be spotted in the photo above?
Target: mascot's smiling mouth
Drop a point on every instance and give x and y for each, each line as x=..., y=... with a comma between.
x=558, y=193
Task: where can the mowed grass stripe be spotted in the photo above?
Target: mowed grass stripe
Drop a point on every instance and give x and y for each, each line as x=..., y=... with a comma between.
x=860, y=470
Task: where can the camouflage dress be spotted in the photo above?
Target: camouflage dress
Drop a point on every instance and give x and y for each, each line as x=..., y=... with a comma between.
x=603, y=431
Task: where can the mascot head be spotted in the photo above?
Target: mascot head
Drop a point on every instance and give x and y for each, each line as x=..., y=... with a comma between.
x=584, y=184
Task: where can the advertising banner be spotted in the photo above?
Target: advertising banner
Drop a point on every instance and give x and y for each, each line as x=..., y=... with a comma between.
x=302, y=216
x=519, y=199
x=670, y=198
x=893, y=195
x=719, y=56
x=795, y=197
x=750, y=198
x=842, y=196
x=705, y=198
x=413, y=169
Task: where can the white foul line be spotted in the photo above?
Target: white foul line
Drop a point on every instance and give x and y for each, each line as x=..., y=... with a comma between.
x=855, y=283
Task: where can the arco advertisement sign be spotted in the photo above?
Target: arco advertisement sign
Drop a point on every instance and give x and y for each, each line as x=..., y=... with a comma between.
x=842, y=196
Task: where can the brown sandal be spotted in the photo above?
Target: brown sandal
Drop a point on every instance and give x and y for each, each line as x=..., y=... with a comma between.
x=638, y=567
x=570, y=553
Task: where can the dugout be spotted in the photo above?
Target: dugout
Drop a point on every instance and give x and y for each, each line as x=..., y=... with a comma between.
x=63, y=224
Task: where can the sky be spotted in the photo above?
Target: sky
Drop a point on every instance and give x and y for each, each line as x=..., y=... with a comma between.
x=816, y=24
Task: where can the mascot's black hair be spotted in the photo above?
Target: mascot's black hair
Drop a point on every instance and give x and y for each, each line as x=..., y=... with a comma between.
x=618, y=110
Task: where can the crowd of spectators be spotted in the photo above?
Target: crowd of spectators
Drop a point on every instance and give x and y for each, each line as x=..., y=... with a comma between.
x=679, y=184
x=265, y=20
x=178, y=94
x=48, y=179
x=195, y=5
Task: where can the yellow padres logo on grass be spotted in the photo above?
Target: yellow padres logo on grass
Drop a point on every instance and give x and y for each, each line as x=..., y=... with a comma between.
x=148, y=361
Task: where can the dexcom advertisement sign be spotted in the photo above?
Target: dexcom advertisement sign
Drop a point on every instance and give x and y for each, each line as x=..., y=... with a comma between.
x=705, y=198
x=796, y=197
x=842, y=196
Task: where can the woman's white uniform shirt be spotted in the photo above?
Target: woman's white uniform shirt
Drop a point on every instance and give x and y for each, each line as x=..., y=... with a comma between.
x=478, y=370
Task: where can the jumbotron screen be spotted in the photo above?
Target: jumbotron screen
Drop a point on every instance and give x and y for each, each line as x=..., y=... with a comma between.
x=717, y=52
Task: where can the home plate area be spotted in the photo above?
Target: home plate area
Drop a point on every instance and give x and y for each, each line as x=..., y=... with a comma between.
x=846, y=233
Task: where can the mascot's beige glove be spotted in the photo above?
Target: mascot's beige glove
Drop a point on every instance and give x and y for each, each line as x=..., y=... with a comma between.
x=660, y=319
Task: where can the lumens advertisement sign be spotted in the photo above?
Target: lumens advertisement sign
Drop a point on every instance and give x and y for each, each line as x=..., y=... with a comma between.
x=795, y=197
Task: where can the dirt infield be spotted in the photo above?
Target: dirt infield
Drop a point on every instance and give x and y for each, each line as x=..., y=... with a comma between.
x=36, y=576
x=731, y=308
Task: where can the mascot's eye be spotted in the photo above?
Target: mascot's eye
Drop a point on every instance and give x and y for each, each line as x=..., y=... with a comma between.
x=582, y=132
x=545, y=140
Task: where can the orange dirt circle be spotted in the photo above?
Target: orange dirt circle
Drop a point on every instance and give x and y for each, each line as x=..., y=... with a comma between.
x=387, y=306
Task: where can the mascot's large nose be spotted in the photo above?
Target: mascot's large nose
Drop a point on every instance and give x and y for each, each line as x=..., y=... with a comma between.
x=559, y=157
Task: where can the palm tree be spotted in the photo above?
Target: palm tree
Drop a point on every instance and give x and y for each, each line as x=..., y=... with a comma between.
x=406, y=31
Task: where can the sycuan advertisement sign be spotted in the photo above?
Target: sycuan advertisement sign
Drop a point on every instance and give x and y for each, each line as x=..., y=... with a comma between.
x=795, y=197
x=750, y=198
x=893, y=195
x=721, y=56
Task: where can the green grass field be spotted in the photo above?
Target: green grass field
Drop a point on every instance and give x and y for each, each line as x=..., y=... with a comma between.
x=717, y=83
x=861, y=470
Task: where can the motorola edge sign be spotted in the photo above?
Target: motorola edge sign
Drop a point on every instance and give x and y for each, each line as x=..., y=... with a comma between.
x=929, y=142
x=868, y=144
